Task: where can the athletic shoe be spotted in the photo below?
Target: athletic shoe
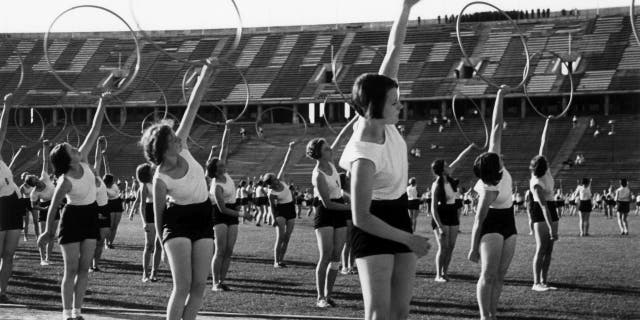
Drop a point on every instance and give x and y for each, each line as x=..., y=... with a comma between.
x=153, y=279
x=258, y=224
x=440, y=280
x=282, y=265
x=548, y=286
x=224, y=287
x=345, y=271
x=145, y=279
x=539, y=288
x=277, y=265
x=217, y=287
x=331, y=302
x=44, y=263
x=322, y=303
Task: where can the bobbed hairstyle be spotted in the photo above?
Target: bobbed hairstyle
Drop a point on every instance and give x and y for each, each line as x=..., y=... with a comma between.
x=314, y=148
x=268, y=178
x=369, y=94
x=108, y=180
x=243, y=183
x=487, y=168
x=437, y=167
x=586, y=182
x=539, y=166
x=623, y=182
x=212, y=167
x=143, y=173
x=31, y=180
x=154, y=141
x=60, y=159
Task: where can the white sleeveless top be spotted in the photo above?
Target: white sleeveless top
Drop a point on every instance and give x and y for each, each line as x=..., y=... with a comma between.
x=448, y=191
x=623, y=194
x=583, y=193
x=389, y=159
x=101, y=194
x=333, y=181
x=504, y=188
x=149, y=188
x=113, y=192
x=83, y=190
x=412, y=192
x=546, y=183
x=46, y=194
x=228, y=190
x=7, y=185
x=191, y=188
x=260, y=192
x=283, y=196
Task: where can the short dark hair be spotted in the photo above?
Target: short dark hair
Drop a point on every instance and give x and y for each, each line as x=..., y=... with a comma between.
x=412, y=181
x=623, y=182
x=487, y=168
x=314, y=148
x=586, y=182
x=143, y=173
x=268, y=177
x=31, y=180
x=154, y=141
x=60, y=159
x=108, y=180
x=243, y=183
x=539, y=166
x=212, y=167
x=369, y=93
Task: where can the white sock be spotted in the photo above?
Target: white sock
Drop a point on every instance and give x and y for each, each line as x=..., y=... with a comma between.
x=66, y=314
x=75, y=312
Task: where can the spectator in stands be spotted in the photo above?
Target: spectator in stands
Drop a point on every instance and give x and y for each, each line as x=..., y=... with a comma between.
x=574, y=122
x=243, y=134
x=592, y=123
x=596, y=133
x=417, y=153
x=439, y=19
x=504, y=125
x=440, y=128
x=386, y=251
x=260, y=132
x=583, y=195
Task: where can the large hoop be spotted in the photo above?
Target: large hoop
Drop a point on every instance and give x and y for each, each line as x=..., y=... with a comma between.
x=31, y=140
x=244, y=80
x=260, y=134
x=147, y=37
x=119, y=129
x=130, y=79
x=459, y=124
x=632, y=13
x=526, y=94
x=21, y=62
x=466, y=58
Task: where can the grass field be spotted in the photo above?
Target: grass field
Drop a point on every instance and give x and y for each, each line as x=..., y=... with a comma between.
x=598, y=277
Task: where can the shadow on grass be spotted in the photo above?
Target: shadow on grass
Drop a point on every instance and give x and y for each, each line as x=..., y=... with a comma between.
x=269, y=261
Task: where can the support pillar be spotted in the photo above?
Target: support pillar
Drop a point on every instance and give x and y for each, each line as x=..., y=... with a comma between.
x=405, y=111
x=20, y=117
x=88, y=116
x=259, y=113
x=331, y=108
x=156, y=115
x=483, y=107
x=443, y=108
x=225, y=111
x=54, y=117
x=523, y=108
x=123, y=116
x=607, y=105
x=294, y=118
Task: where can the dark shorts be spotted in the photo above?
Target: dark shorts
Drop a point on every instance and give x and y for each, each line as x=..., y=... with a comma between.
x=243, y=201
x=285, y=210
x=458, y=204
x=79, y=223
x=221, y=218
x=42, y=214
x=12, y=211
x=623, y=206
x=559, y=203
x=316, y=202
x=413, y=204
x=448, y=215
x=262, y=201
x=149, y=216
x=536, y=212
x=572, y=202
x=331, y=218
x=394, y=213
x=611, y=202
x=104, y=217
x=500, y=221
x=192, y=221
x=115, y=205
x=585, y=206
x=467, y=202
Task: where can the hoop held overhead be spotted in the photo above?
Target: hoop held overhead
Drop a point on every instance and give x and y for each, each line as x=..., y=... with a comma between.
x=466, y=58
x=130, y=79
x=484, y=123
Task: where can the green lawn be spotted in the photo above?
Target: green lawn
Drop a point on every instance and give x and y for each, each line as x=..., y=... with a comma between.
x=598, y=277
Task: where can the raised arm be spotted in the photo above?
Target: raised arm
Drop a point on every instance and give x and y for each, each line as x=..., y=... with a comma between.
x=45, y=159
x=454, y=165
x=4, y=119
x=106, y=165
x=15, y=157
x=543, y=139
x=224, y=145
x=96, y=126
x=398, y=32
x=194, y=103
x=286, y=159
x=97, y=160
x=495, y=141
x=343, y=132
